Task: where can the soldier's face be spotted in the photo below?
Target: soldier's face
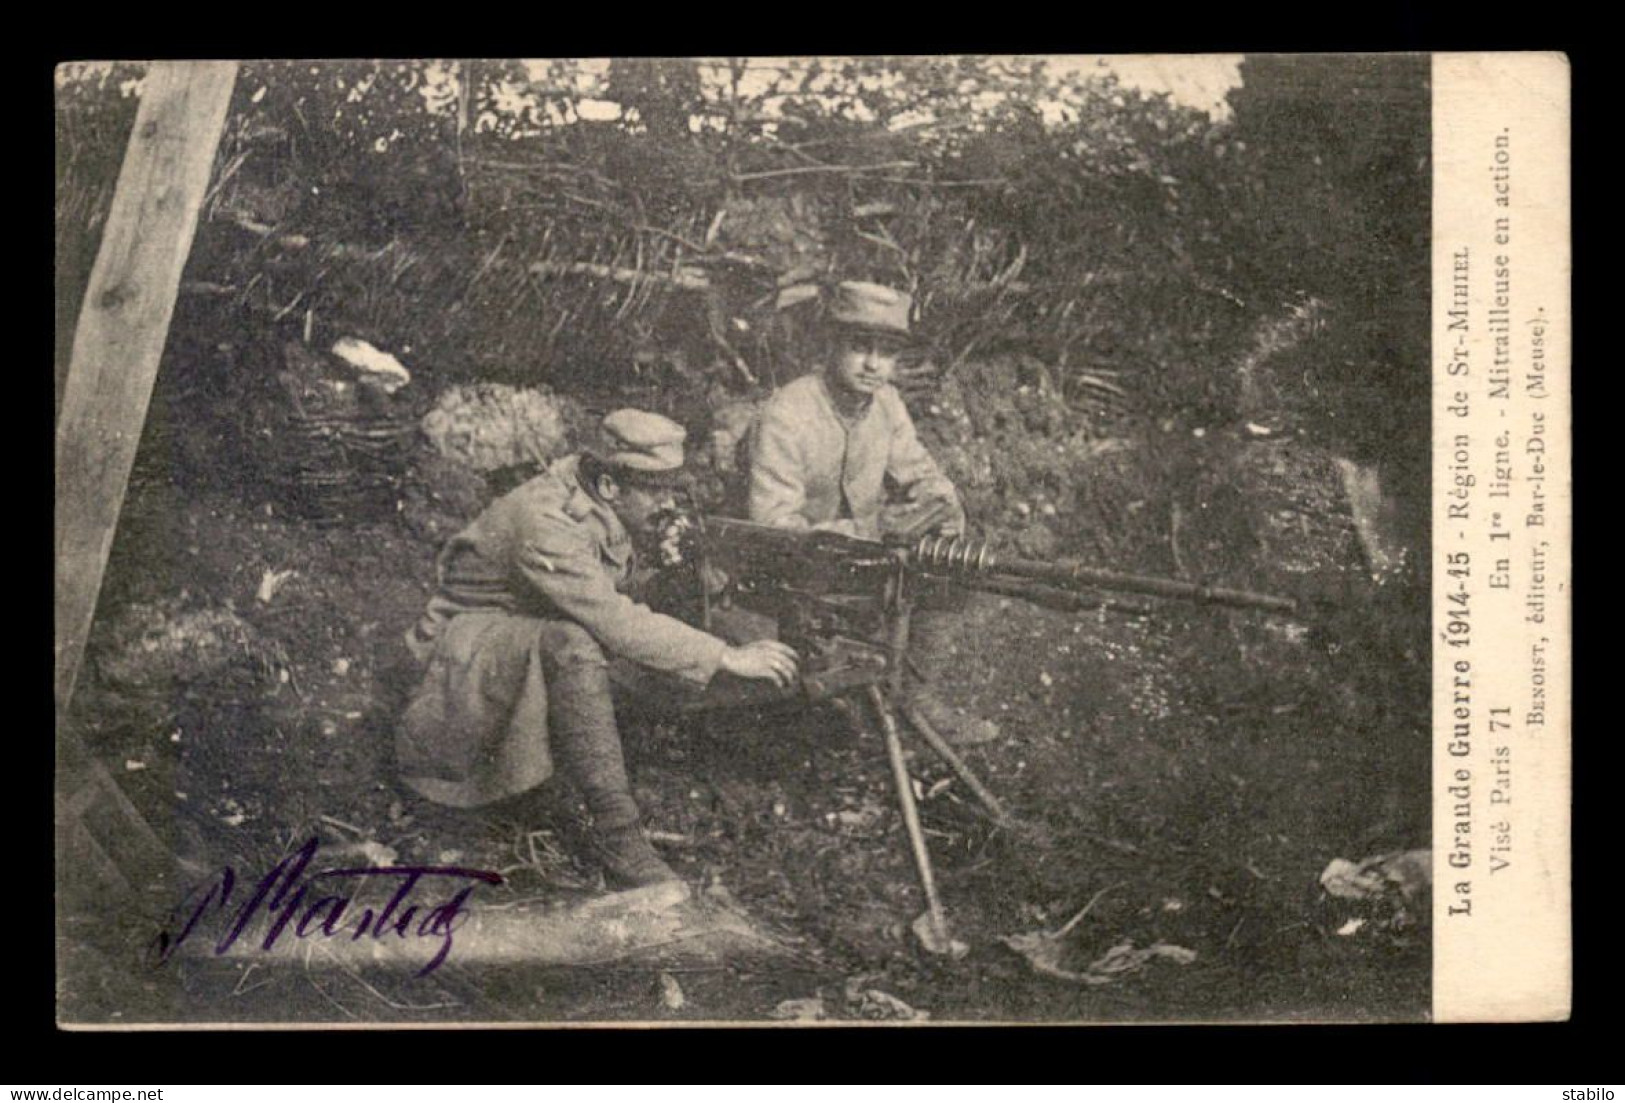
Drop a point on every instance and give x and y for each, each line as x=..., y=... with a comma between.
x=864, y=363
x=637, y=506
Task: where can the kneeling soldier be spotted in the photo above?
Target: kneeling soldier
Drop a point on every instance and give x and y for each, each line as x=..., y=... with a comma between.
x=517, y=641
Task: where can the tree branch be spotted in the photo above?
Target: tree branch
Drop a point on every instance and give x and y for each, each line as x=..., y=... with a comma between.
x=802, y=170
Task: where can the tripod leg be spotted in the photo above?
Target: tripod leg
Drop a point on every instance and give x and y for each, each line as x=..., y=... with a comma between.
x=957, y=764
x=911, y=820
x=851, y=713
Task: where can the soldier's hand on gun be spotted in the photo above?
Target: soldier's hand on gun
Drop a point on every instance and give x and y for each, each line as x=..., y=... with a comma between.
x=922, y=514
x=765, y=659
x=715, y=580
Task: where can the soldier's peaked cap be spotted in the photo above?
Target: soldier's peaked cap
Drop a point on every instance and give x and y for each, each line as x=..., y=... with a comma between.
x=642, y=444
x=871, y=307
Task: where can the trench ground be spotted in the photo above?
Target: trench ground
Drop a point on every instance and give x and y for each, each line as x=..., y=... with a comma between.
x=1192, y=771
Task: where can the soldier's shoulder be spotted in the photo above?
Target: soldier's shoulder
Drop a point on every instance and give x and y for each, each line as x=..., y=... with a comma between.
x=890, y=399
x=797, y=394
x=792, y=407
x=550, y=496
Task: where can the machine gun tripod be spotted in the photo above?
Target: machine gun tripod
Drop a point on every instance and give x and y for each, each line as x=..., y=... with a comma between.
x=887, y=697
x=816, y=583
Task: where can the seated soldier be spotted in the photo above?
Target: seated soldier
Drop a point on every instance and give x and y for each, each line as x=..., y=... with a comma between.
x=516, y=643
x=828, y=443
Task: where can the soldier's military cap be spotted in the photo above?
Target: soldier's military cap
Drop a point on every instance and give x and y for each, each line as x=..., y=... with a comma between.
x=646, y=446
x=871, y=307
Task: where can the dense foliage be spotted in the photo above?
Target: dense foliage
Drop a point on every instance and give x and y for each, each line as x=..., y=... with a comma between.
x=1130, y=244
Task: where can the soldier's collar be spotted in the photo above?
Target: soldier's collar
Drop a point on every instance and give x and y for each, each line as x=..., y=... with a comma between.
x=844, y=404
x=579, y=503
x=582, y=487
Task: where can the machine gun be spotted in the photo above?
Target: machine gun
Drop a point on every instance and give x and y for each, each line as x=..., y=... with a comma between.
x=766, y=557
x=844, y=604
x=840, y=599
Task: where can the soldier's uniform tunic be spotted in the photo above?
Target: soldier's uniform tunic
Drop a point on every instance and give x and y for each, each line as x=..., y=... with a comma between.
x=822, y=464
x=515, y=641
x=814, y=466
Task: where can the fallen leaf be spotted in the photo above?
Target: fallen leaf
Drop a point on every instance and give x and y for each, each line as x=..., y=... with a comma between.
x=270, y=583
x=1408, y=871
x=379, y=854
x=1044, y=952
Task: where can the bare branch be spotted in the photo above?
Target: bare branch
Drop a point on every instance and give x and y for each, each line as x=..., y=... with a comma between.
x=802, y=170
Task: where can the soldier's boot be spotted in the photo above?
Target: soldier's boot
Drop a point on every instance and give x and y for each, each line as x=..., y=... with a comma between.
x=931, y=650
x=629, y=861
x=587, y=746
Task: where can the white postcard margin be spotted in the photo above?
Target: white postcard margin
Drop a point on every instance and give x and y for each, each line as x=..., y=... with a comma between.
x=1501, y=558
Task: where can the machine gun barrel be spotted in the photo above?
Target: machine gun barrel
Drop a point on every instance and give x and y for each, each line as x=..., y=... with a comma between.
x=791, y=556
x=961, y=558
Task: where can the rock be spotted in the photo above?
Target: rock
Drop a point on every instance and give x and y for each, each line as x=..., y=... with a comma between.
x=810, y=1009
x=156, y=648
x=873, y=1003
x=372, y=363
x=490, y=426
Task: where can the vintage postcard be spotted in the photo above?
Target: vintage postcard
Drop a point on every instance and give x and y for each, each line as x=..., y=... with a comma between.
x=813, y=540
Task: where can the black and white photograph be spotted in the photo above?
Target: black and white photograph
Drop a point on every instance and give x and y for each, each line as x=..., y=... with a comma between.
x=771, y=541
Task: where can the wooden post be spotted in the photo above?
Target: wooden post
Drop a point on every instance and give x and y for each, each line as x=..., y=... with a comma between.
x=123, y=323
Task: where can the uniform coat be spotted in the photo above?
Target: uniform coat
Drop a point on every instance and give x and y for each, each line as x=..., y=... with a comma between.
x=813, y=466
x=530, y=591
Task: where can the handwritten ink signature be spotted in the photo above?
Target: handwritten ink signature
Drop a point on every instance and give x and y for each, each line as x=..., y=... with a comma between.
x=281, y=895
